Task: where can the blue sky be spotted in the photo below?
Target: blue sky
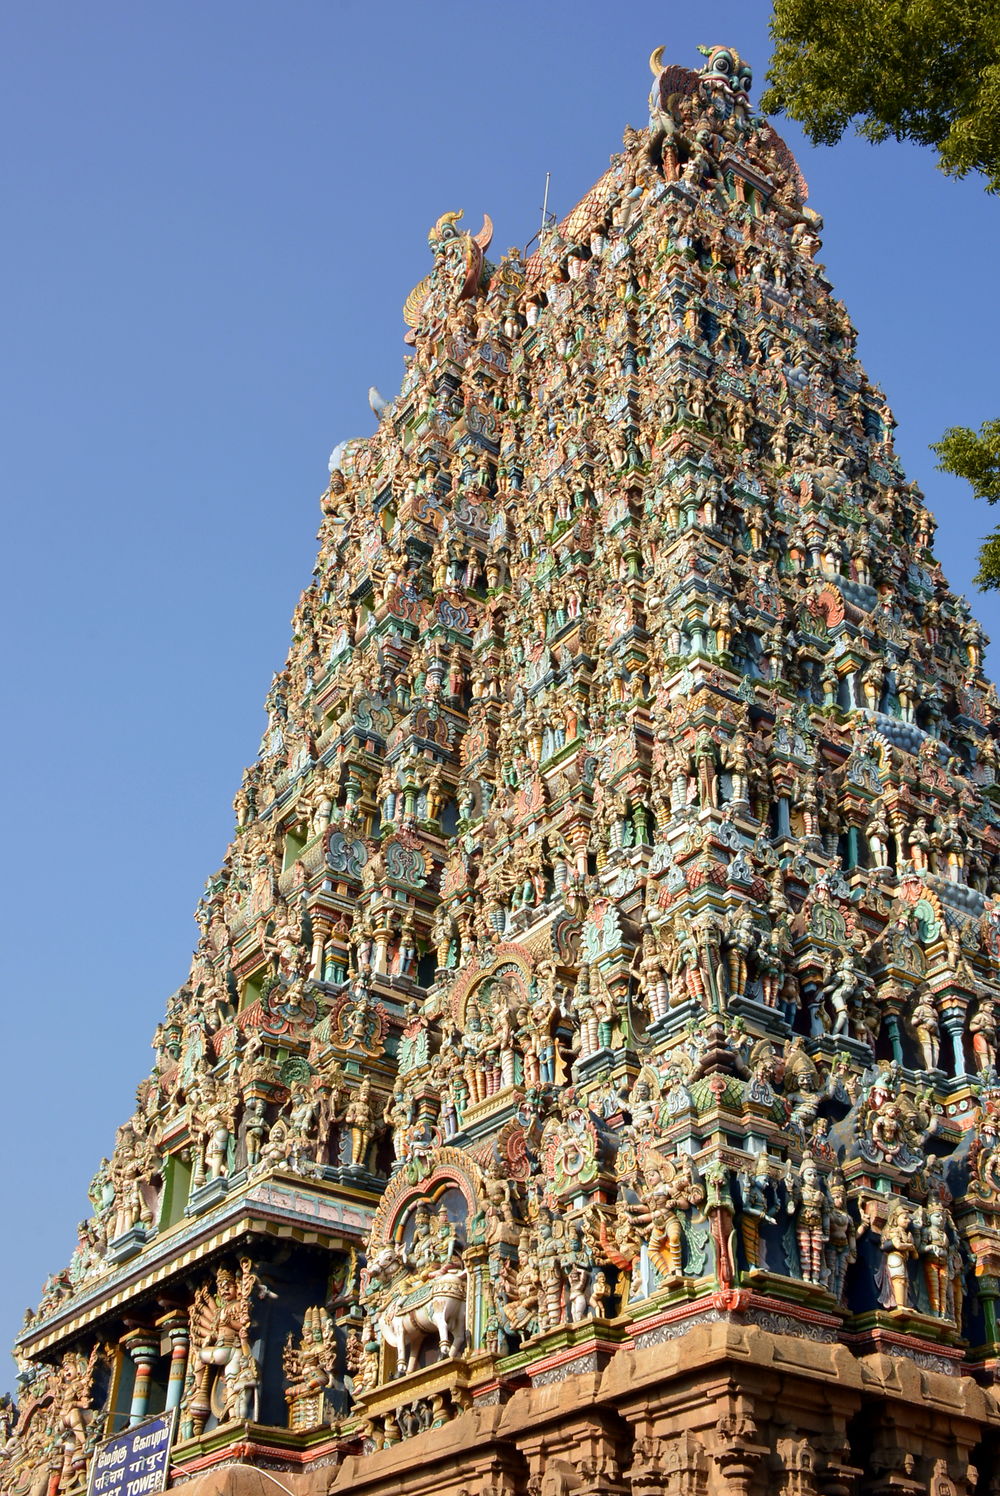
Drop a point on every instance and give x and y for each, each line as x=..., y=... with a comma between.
x=213, y=215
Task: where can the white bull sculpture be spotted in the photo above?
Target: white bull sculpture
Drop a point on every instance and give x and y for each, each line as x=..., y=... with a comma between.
x=438, y=1307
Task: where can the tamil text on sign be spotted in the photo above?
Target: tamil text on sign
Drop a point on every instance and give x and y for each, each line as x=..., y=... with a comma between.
x=134, y=1462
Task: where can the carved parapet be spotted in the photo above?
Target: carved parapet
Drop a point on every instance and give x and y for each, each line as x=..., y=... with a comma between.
x=508, y=1098
x=566, y=1351
x=423, y=1399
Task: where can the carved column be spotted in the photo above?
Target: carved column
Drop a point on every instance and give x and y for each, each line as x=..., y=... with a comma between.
x=321, y=933
x=794, y=1463
x=953, y=1015
x=646, y=1475
x=383, y=935
x=835, y=1474
x=176, y=1326
x=144, y=1347
x=579, y=1457
x=894, y=1030
x=737, y=1451
x=334, y=964
x=686, y=1466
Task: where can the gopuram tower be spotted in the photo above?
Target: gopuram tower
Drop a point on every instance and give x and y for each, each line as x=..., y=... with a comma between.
x=586, y=1079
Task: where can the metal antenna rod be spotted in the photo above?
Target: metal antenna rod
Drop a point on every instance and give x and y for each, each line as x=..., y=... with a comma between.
x=546, y=215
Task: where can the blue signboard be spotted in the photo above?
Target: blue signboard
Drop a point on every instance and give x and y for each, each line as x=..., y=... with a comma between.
x=135, y=1462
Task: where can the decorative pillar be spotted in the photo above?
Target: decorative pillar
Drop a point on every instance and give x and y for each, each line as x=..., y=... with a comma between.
x=321, y=931
x=892, y=1023
x=988, y=1288
x=738, y=1452
x=953, y=1023
x=176, y=1326
x=144, y=1347
x=647, y=1475
x=334, y=965
x=383, y=934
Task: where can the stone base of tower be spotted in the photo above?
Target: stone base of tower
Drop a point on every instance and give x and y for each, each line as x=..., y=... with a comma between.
x=722, y=1407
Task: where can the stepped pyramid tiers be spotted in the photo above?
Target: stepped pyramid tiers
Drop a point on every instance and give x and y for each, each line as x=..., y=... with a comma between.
x=586, y=1079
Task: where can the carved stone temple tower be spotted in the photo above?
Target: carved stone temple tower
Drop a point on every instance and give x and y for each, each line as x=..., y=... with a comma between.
x=586, y=1080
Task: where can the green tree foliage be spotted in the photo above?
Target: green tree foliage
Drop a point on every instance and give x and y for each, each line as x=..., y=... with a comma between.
x=923, y=70
x=977, y=458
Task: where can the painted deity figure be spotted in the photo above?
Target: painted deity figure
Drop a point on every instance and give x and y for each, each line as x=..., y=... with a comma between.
x=653, y=980
x=754, y=1189
x=900, y=1248
x=360, y=1117
x=220, y=1318
x=937, y=1239
x=841, y=1243
x=926, y=1030
x=812, y=1222
x=983, y=1031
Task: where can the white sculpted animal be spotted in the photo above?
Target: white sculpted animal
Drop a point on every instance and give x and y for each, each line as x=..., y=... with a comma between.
x=417, y=1309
